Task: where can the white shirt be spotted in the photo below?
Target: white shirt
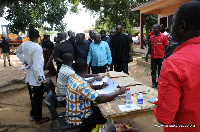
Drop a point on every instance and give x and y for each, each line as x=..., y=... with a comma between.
x=62, y=81
x=31, y=53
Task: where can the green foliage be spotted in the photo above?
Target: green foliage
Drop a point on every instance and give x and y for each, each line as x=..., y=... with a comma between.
x=25, y=14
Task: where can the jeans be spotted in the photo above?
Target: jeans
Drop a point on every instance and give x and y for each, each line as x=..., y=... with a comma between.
x=121, y=66
x=99, y=69
x=156, y=64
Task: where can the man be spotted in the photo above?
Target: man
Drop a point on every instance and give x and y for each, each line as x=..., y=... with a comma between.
x=30, y=54
x=100, y=54
x=48, y=48
x=91, y=34
x=178, y=84
x=71, y=37
x=158, y=44
x=121, y=48
x=112, y=33
x=6, y=51
x=81, y=47
x=103, y=35
x=64, y=47
x=79, y=94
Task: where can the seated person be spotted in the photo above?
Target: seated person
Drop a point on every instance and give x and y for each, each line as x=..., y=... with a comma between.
x=78, y=97
x=65, y=71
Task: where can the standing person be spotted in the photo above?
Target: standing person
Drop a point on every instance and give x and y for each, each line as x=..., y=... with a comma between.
x=6, y=51
x=81, y=47
x=121, y=48
x=100, y=54
x=30, y=53
x=91, y=34
x=178, y=84
x=78, y=97
x=71, y=37
x=64, y=47
x=158, y=44
x=103, y=35
x=112, y=33
x=48, y=48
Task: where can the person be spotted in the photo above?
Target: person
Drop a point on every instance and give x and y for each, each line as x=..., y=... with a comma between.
x=158, y=45
x=91, y=34
x=30, y=54
x=78, y=97
x=6, y=51
x=178, y=85
x=64, y=47
x=100, y=54
x=112, y=33
x=71, y=37
x=166, y=33
x=121, y=48
x=48, y=48
x=81, y=47
x=103, y=35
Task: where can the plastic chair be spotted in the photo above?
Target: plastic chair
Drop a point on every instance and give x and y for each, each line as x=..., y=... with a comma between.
x=52, y=102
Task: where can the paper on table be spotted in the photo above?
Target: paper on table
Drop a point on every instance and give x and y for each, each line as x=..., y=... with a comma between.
x=100, y=82
x=133, y=107
x=22, y=68
x=112, y=85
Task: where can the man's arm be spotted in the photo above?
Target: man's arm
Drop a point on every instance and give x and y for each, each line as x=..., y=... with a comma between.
x=103, y=98
x=148, y=52
x=169, y=93
x=108, y=52
x=56, y=55
x=20, y=55
x=130, y=52
x=89, y=57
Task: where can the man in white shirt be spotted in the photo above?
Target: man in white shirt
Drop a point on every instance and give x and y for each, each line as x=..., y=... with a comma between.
x=30, y=54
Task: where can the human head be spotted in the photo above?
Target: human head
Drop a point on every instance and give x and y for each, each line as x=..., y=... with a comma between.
x=77, y=35
x=70, y=33
x=97, y=38
x=68, y=59
x=3, y=38
x=48, y=37
x=118, y=29
x=61, y=36
x=81, y=66
x=55, y=39
x=103, y=34
x=34, y=35
x=81, y=38
x=156, y=29
x=91, y=33
x=185, y=22
x=167, y=29
x=112, y=32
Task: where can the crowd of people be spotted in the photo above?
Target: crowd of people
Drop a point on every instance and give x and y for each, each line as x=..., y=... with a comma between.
x=178, y=84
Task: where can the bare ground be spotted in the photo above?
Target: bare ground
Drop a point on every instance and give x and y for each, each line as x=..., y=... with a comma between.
x=15, y=104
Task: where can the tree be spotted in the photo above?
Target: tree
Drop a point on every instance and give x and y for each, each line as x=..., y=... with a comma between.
x=23, y=14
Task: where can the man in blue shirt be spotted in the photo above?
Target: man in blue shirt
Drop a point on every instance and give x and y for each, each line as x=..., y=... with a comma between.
x=81, y=47
x=100, y=54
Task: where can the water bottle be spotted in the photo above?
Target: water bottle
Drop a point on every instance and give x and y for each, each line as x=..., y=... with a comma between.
x=128, y=98
x=140, y=99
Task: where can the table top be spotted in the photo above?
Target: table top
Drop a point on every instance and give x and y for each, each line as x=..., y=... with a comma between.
x=111, y=109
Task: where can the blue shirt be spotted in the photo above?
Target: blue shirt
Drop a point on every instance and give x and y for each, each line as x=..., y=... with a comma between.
x=81, y=50
x=100, y=54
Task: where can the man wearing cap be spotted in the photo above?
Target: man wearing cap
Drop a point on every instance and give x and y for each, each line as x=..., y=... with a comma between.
x=64, y=47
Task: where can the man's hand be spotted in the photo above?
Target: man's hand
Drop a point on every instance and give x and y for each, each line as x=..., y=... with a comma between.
x=124, y=127
x=45, y=82
x=122, y=90
x=131, y=59
x=146, y=59
x=104, y=85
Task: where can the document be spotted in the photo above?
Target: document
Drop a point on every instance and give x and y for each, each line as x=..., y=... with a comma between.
x=133, y=107
x=22, y=68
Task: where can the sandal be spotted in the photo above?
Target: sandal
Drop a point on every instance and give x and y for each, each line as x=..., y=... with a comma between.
x=44, y=119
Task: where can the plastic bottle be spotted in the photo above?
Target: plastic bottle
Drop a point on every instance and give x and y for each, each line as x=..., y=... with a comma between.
x=128, y=98
x=140, y=99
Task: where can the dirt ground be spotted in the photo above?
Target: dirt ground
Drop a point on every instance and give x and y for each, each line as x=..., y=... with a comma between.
x=15, y=104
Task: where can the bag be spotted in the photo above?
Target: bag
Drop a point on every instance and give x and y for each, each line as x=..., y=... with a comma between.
x=107, y=127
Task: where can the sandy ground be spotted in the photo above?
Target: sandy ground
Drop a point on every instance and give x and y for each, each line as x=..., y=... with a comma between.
x=15, y=105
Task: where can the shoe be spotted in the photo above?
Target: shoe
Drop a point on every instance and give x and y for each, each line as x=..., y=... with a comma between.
x=10, y=65
x=4, y=65
x=44, y=119
x=153, y=85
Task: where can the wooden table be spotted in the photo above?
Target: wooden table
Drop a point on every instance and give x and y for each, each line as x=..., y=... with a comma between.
x=111, y=109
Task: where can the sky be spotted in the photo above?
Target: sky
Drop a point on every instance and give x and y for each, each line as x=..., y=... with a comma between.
x=75, y=22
